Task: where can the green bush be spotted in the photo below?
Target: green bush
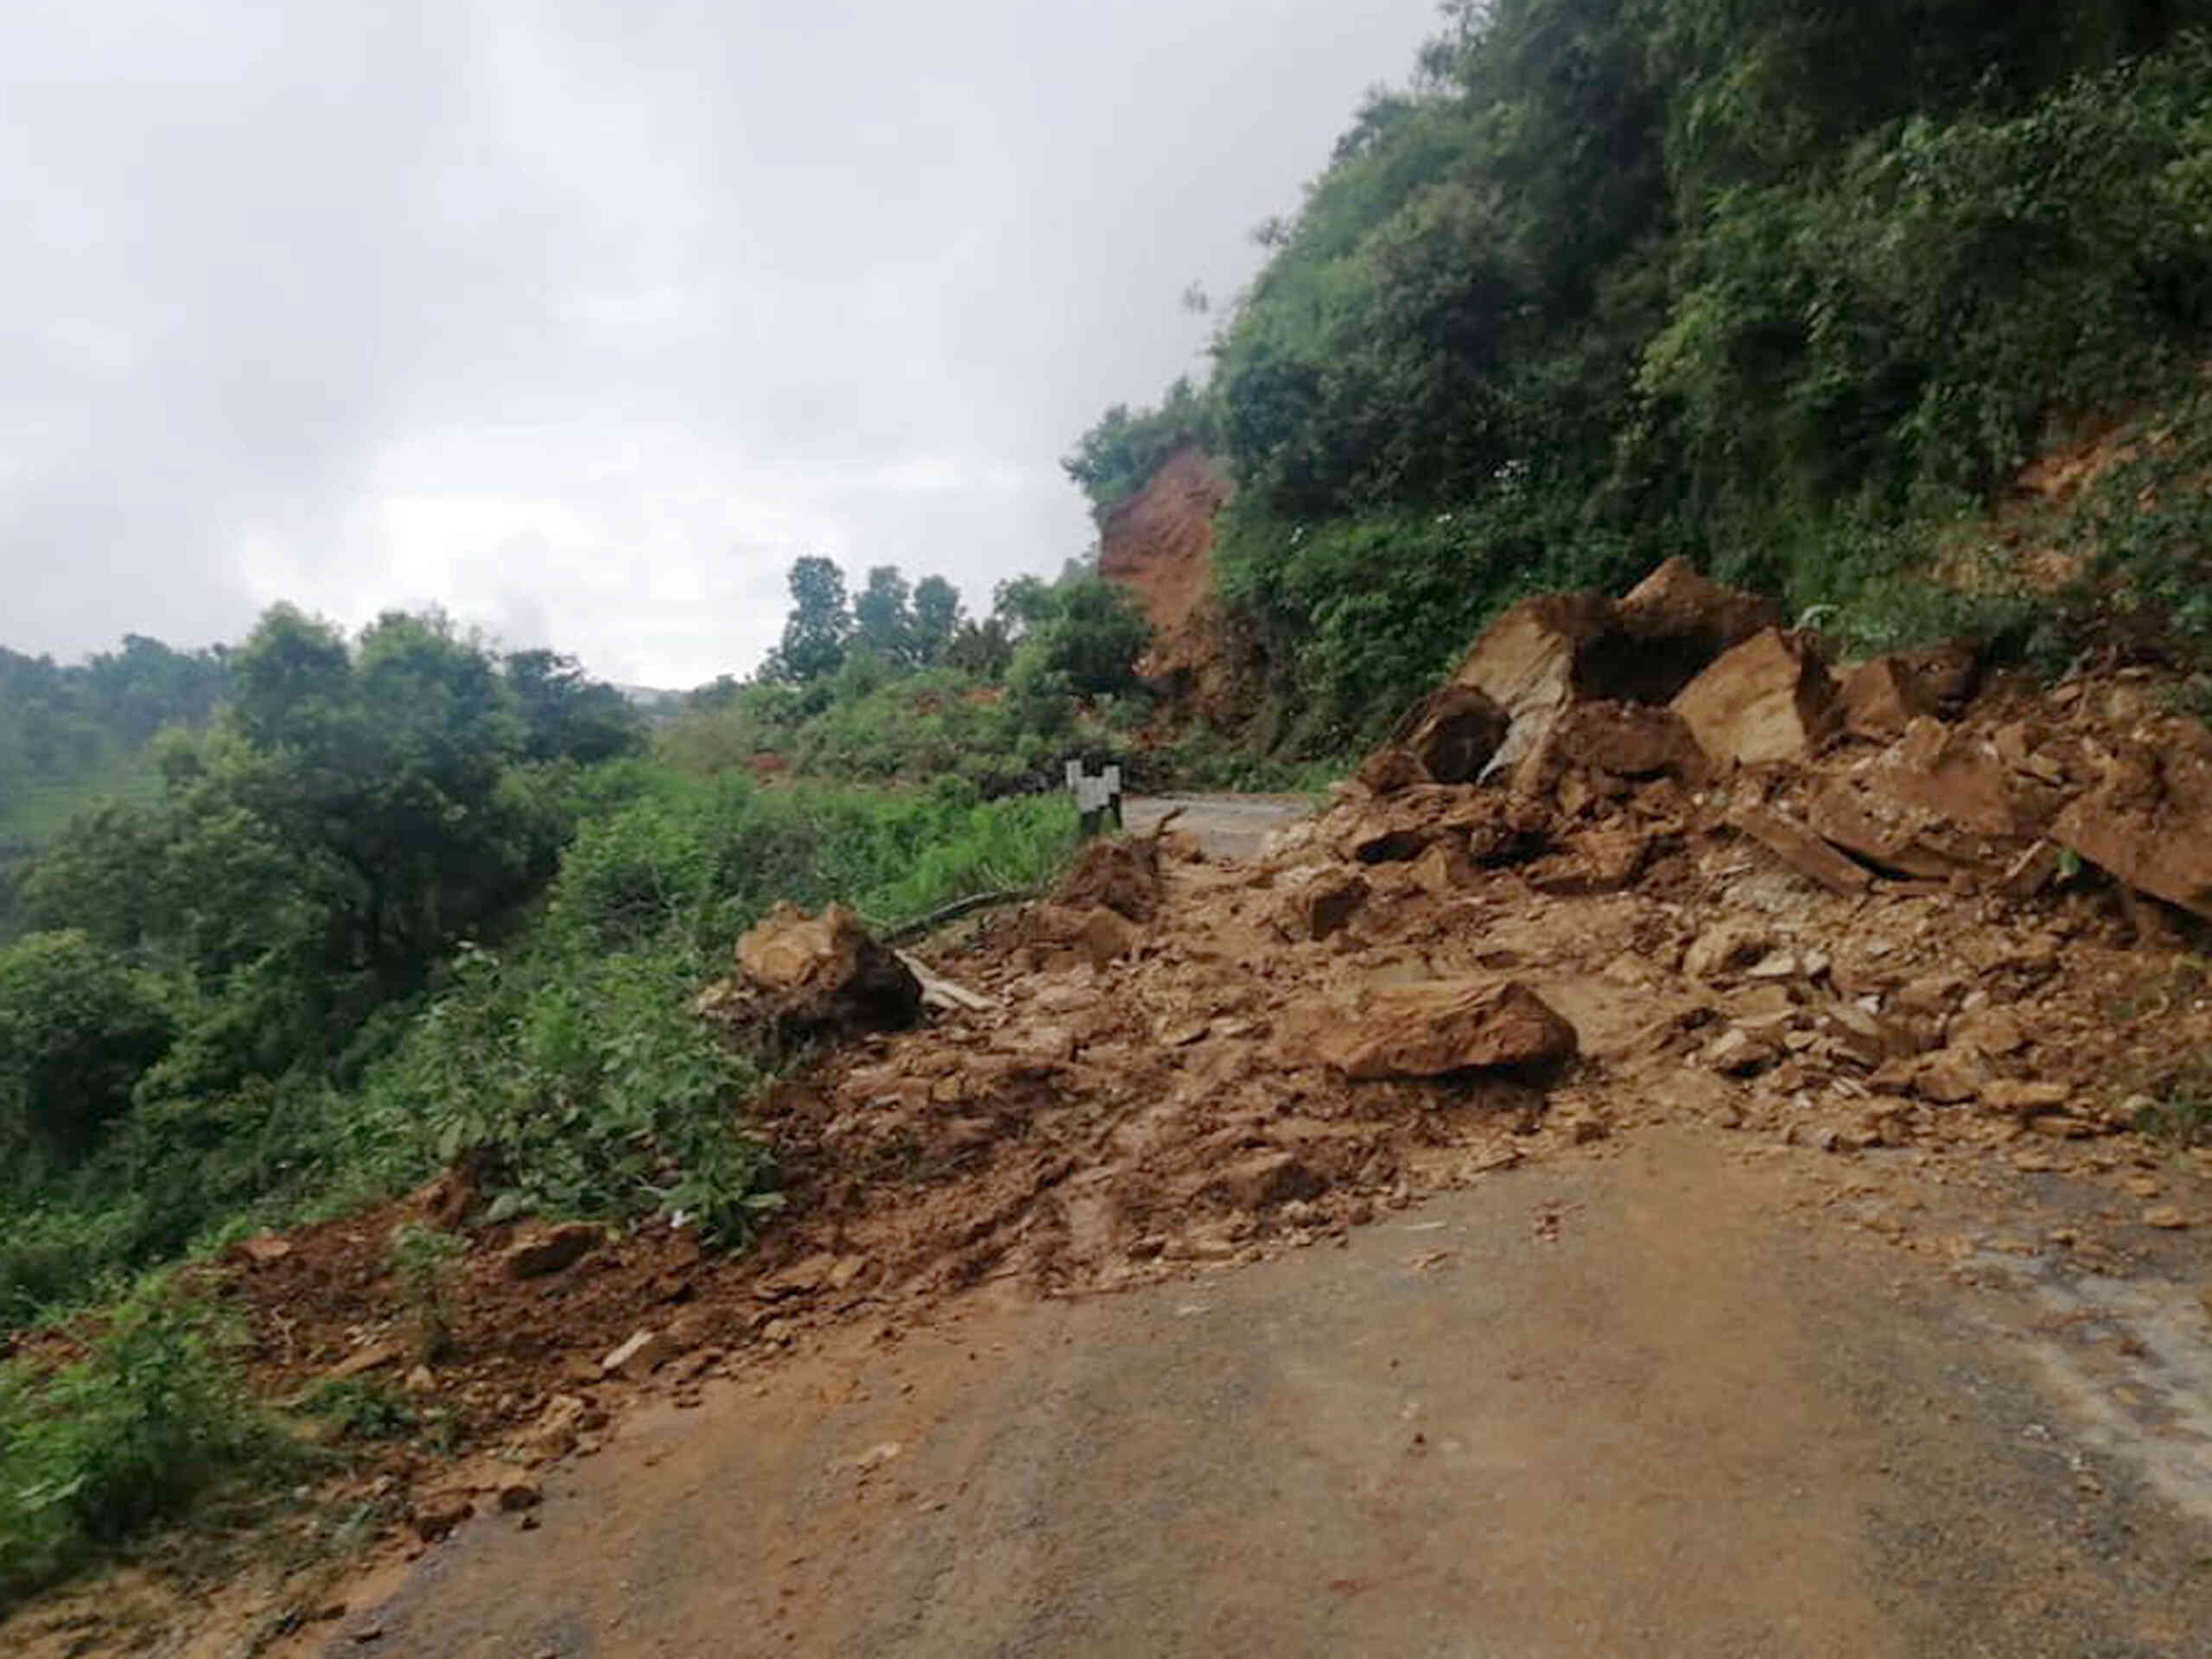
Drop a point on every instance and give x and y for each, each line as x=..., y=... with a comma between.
x=589, y=1082
x=148, y=1421
x=575, y=1060
x=78, y=1028
x=1361, y=615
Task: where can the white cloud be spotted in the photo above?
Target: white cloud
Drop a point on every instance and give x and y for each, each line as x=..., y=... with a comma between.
x=582, y=319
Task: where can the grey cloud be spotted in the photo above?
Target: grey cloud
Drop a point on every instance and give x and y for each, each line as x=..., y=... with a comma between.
x=583, y=318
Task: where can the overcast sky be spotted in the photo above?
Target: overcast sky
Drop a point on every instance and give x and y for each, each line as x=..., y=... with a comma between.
x=583, y=318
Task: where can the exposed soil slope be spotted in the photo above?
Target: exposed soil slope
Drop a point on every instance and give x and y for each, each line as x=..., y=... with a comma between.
x=1159, y=545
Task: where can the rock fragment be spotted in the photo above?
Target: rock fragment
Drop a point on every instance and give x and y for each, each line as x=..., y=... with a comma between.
x=1269, y=1179
x=1445, y=1027
x=1451, y=735
x=1880, y=698
x=1727, y=946
x=1318, y=907
x=1802, y=851
x=646, y=1352
x=545, y=1251
x=1769, y=700
x=1598, y=861
x=2149, y=822
x=803, y=978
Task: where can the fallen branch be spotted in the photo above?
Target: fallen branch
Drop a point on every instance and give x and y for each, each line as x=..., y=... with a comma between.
x=946, y=994
x=954, y=912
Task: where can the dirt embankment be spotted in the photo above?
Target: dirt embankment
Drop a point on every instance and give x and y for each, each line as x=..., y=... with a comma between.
x=1159, y=545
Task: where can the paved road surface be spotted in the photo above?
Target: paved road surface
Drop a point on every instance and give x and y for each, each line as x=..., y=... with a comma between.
x=1651, y=1404
x=1227, y=826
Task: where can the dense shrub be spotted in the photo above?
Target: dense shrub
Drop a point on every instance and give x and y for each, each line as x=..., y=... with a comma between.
x=78, y=1028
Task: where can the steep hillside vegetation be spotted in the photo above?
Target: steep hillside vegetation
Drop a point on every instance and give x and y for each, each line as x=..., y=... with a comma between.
x=1795, y=288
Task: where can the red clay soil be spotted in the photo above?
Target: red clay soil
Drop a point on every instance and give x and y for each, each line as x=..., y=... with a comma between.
x=1159, y=545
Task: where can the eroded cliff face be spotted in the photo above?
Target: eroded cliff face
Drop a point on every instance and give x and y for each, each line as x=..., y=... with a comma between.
x=1158, y=544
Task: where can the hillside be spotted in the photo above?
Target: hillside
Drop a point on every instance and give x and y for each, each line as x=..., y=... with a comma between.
x=1652, y=927
x=1730, y=486
x=1799, y=292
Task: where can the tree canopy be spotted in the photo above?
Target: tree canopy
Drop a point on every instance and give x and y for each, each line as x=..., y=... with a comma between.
x=1610, y=279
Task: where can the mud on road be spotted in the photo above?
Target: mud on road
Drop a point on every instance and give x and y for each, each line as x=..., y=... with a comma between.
x=1632, y=1405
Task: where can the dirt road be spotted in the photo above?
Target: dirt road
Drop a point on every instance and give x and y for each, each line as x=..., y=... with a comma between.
x=1643, y=1404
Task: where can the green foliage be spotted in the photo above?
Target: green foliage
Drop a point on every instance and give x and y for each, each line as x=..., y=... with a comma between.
x=357, y=1408
x=2146, y=529
x=920, y=693
x=1355, y=613
x=426, y=1266
x=1784, y=286
x=78, y=1028
x=1087, y=638
x=1117, y=457
x=937, y=620
x=883, y=618
x=820, y=626
x=71, y=738
x=589, y=1082
x=575, y=1062
x=148, y=1422
x=566, y=714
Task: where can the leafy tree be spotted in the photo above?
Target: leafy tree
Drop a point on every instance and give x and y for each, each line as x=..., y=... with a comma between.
x=1092, y=636
x=566, y=714
x=937, y=620
x=883, y=618
x=1118, y=456
x=820, y=626
x=77, y=1027
x=1022, y=604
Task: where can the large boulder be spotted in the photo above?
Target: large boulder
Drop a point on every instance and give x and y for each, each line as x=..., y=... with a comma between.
x=1551, y=652
x=1676, y=606
x=1441, y=1028
x=1122, y=873
x=1321, y=904
x=805, y=978
x=1610, y=744
x=1452, y=734
x=1768, y=700
x=1528, y=659
x=1880, y=698
x=2149, y=823
x=1937, y=802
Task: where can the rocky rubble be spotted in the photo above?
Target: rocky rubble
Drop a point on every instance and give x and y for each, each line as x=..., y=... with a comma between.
x=1648, y=859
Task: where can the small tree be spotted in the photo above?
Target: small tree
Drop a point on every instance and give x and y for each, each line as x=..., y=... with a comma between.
x=1093, y=636
x=77, y=1027
x=820, y=625
x=937, y=620
x=883, y=618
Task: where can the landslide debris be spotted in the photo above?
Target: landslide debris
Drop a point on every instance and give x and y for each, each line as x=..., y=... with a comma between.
x=1890, y=926
x=805, y=978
